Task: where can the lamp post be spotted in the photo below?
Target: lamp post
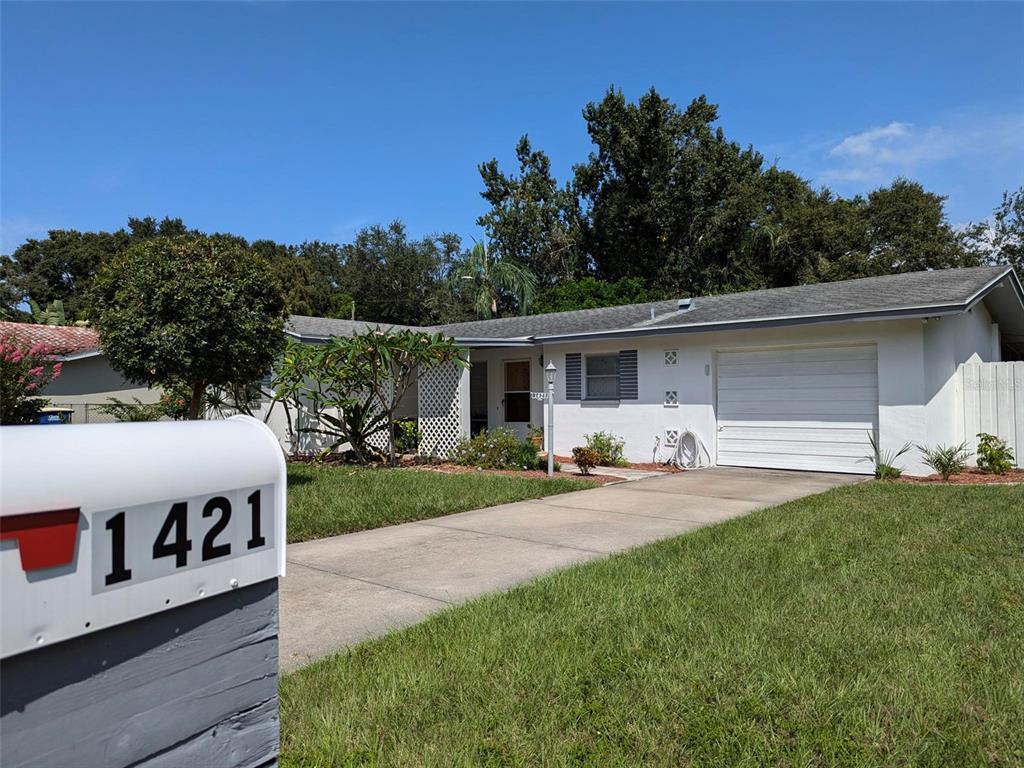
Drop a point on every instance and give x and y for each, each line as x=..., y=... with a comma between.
x=550, y=373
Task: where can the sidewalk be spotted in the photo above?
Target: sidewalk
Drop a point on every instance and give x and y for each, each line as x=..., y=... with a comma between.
x=345, y=589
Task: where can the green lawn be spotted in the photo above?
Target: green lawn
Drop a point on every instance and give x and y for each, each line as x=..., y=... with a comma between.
x=877, y=624
x=328, y=500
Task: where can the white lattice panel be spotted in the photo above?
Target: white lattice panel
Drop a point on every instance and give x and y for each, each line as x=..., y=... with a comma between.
x=440, y=409
x=379, y=440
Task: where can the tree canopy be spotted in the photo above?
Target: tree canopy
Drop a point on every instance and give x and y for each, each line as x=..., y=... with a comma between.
x=667, y=199
x=664, y=204
x=197, y=310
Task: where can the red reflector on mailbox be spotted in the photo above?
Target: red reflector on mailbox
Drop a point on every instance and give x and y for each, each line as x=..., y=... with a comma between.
x=45, y=539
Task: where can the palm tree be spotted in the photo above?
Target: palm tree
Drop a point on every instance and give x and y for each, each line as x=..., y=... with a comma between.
x=490, y=277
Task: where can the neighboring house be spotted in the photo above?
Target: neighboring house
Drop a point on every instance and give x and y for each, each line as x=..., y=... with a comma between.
x=788, y=378
x=86, y=380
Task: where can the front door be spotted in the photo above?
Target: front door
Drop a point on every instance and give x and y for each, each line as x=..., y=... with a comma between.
x=517, y=394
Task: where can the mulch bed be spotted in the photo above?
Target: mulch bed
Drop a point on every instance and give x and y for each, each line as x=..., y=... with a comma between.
x=641, y=466
x=970, y=477
x=433, y=465
x=458, y=469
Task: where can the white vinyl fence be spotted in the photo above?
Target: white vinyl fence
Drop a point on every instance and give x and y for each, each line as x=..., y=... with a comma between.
x=992, y=400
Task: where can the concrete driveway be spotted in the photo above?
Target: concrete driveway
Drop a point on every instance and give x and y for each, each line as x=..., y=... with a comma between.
x=349, y=588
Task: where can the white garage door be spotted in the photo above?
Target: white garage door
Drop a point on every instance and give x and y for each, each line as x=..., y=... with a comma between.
x=798, y=408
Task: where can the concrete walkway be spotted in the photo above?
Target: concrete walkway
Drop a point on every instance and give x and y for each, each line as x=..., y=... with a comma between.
x=349, y=588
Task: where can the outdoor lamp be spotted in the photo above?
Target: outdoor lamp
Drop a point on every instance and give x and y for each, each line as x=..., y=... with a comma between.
x=549, y=371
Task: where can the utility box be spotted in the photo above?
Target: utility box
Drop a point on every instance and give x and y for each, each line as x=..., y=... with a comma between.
x=138, y=580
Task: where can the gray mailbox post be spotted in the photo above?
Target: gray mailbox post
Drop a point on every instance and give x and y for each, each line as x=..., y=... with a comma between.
x=138, y=577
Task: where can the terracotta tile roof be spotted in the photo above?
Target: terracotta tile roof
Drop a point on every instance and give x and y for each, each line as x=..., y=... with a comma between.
x=64, y=339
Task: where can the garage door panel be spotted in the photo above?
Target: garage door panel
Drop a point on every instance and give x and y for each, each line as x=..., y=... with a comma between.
x=804, y=369
x=798, y=381
x=853, y=421
x=823, y=410
x=798, y=355
x=801, y=408
x=825, y=434
x=787, y=447
x=806, y=394
x=808, y=463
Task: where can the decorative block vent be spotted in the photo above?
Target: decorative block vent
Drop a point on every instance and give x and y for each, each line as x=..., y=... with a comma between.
x=671, y=397
x=671, y=438
x=671, y=356
x=440, y=407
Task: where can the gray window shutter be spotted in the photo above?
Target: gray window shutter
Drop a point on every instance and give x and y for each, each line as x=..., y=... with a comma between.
x=574, y=376
x=628, y=388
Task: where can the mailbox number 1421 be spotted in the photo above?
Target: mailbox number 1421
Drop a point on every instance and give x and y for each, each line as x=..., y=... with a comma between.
x=173, y=539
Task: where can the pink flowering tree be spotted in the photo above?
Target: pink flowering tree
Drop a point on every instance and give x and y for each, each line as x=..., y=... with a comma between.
x=25, y=369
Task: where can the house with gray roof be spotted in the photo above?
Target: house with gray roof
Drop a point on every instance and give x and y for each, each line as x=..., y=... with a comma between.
x=786, y=378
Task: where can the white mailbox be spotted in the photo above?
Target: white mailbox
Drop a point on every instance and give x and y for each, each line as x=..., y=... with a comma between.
x=103, y=524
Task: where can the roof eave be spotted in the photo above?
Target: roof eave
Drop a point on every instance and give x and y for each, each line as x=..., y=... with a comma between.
x=80, y=355
x=908, y=313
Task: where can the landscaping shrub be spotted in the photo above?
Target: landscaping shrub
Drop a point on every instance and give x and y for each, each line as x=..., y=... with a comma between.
x=586, y=458
x=25, y=369
x=885, y=460
x=499, y=448
x=535, y=435
x=407, y=436
x=608, y=447
x=134, y=411
x=994, y=455
x=947, y=460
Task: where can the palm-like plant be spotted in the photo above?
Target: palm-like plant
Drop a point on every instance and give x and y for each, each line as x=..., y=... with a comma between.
x=490, y=277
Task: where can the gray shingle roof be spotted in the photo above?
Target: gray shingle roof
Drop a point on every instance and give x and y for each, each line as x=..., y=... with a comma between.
x=869, y=294
x=322, y=327
x=891, y=293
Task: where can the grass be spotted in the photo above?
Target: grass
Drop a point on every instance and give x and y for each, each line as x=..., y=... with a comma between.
x=329, y=500
x=877, y=624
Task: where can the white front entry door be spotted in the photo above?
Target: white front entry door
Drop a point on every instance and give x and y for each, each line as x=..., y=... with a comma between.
x=798, y=408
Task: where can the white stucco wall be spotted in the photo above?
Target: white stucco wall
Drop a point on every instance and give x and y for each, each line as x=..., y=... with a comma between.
x=906, y=382
x=948, y=342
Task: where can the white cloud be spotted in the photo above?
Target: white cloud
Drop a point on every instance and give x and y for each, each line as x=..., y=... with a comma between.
x=872, y=142
x=879, y=153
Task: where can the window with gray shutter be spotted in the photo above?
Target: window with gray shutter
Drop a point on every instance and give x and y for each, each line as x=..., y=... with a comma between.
x=574, y=376
x=602, y=377
x=628, y=387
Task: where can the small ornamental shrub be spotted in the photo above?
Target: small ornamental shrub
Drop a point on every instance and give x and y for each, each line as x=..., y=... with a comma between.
x=535, y=435
x=25, y=369
x=499, y=448
x=994, y=455
x=407, y=436
x=946, y=460
x=608, y=447
x=885, y=460
x=586, y=458
x=134, y=411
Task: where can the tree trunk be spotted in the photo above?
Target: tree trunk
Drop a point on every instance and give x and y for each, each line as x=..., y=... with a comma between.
x=392, y=461
x=195, y=404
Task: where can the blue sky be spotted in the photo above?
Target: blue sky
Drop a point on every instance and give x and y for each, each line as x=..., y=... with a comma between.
x=300, y=121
